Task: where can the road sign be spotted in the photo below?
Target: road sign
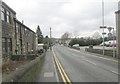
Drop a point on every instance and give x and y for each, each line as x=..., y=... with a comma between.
x=103, y=33
x=103, y=27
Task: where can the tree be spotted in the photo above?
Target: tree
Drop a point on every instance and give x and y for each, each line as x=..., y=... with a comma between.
x=96, y=35
x=46, y=40
x=39, y=35
x=65, y=37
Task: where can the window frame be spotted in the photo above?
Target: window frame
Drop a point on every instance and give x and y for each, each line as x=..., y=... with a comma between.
x=3, y=14
x=8, y=17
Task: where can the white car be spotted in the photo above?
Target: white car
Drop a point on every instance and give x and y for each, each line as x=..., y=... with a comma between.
x=112, y=43
x=105, y=43
x=109, y=43
x=40, y=48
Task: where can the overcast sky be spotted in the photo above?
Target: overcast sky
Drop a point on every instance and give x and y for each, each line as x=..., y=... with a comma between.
x=80, y=17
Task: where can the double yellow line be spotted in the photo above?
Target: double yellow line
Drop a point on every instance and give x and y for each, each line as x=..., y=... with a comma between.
x=64, y=76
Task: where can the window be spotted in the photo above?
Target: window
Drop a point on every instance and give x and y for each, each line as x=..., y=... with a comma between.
x=8, y=16
x=23, y=30
x=17, y=26
x=2, y=13
x=9, y=44
x=6, y=45
x=3, y=45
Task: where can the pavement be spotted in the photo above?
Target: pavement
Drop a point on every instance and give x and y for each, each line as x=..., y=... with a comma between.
x=48, y=72
x=85, y=67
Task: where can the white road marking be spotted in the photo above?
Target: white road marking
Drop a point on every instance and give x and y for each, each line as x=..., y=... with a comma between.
x=106, y=58
x=115, y=72
x=89, y=62
x=96, y=64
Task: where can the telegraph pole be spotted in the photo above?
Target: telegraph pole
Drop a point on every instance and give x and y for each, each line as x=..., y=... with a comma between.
x=0, y=43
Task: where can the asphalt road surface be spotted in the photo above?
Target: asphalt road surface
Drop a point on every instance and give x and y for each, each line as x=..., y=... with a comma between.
x=85, y=67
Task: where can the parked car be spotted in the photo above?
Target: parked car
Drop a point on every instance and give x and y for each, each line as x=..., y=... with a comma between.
x=110, y=43
x=40, y=48
x=106, y=43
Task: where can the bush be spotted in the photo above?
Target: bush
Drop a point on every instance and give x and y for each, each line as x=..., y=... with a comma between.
x=22, y=57
x=31, y=57
x=45, y=47
x=17, y=57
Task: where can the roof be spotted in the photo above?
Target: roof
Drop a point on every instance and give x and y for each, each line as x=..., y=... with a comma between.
x=24, y=25
x=117, y=11
x=4, y=4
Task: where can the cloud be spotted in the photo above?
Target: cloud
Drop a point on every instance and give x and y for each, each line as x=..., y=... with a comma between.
x=82, y=17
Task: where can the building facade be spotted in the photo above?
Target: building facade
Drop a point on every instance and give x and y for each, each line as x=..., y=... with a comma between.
x=16, y=37
x=0, y=31
x=7, y=17
x=118, y=30
x=24, y=39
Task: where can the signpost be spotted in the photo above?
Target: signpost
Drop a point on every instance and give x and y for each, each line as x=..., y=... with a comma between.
x=110, y=28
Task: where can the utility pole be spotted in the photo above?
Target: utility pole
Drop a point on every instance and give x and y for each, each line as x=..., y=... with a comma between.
x=0, y=43
x=50, y=39
x=103, y=27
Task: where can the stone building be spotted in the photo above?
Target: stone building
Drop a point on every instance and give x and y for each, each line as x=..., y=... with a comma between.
x=0, y=31
x=0, y=42
x=118, y=30
x=24, y=39
x=7, y=17
x=16, y=37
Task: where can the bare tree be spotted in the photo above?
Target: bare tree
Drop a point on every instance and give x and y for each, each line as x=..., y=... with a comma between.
x=65, y=37
x=96, y=35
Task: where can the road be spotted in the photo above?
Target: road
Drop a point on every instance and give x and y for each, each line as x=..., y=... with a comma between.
x=85, y=67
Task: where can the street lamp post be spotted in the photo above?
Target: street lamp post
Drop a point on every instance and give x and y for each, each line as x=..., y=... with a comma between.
x=103, y=27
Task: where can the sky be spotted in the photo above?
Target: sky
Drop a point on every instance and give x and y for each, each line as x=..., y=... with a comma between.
x=81, y=18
